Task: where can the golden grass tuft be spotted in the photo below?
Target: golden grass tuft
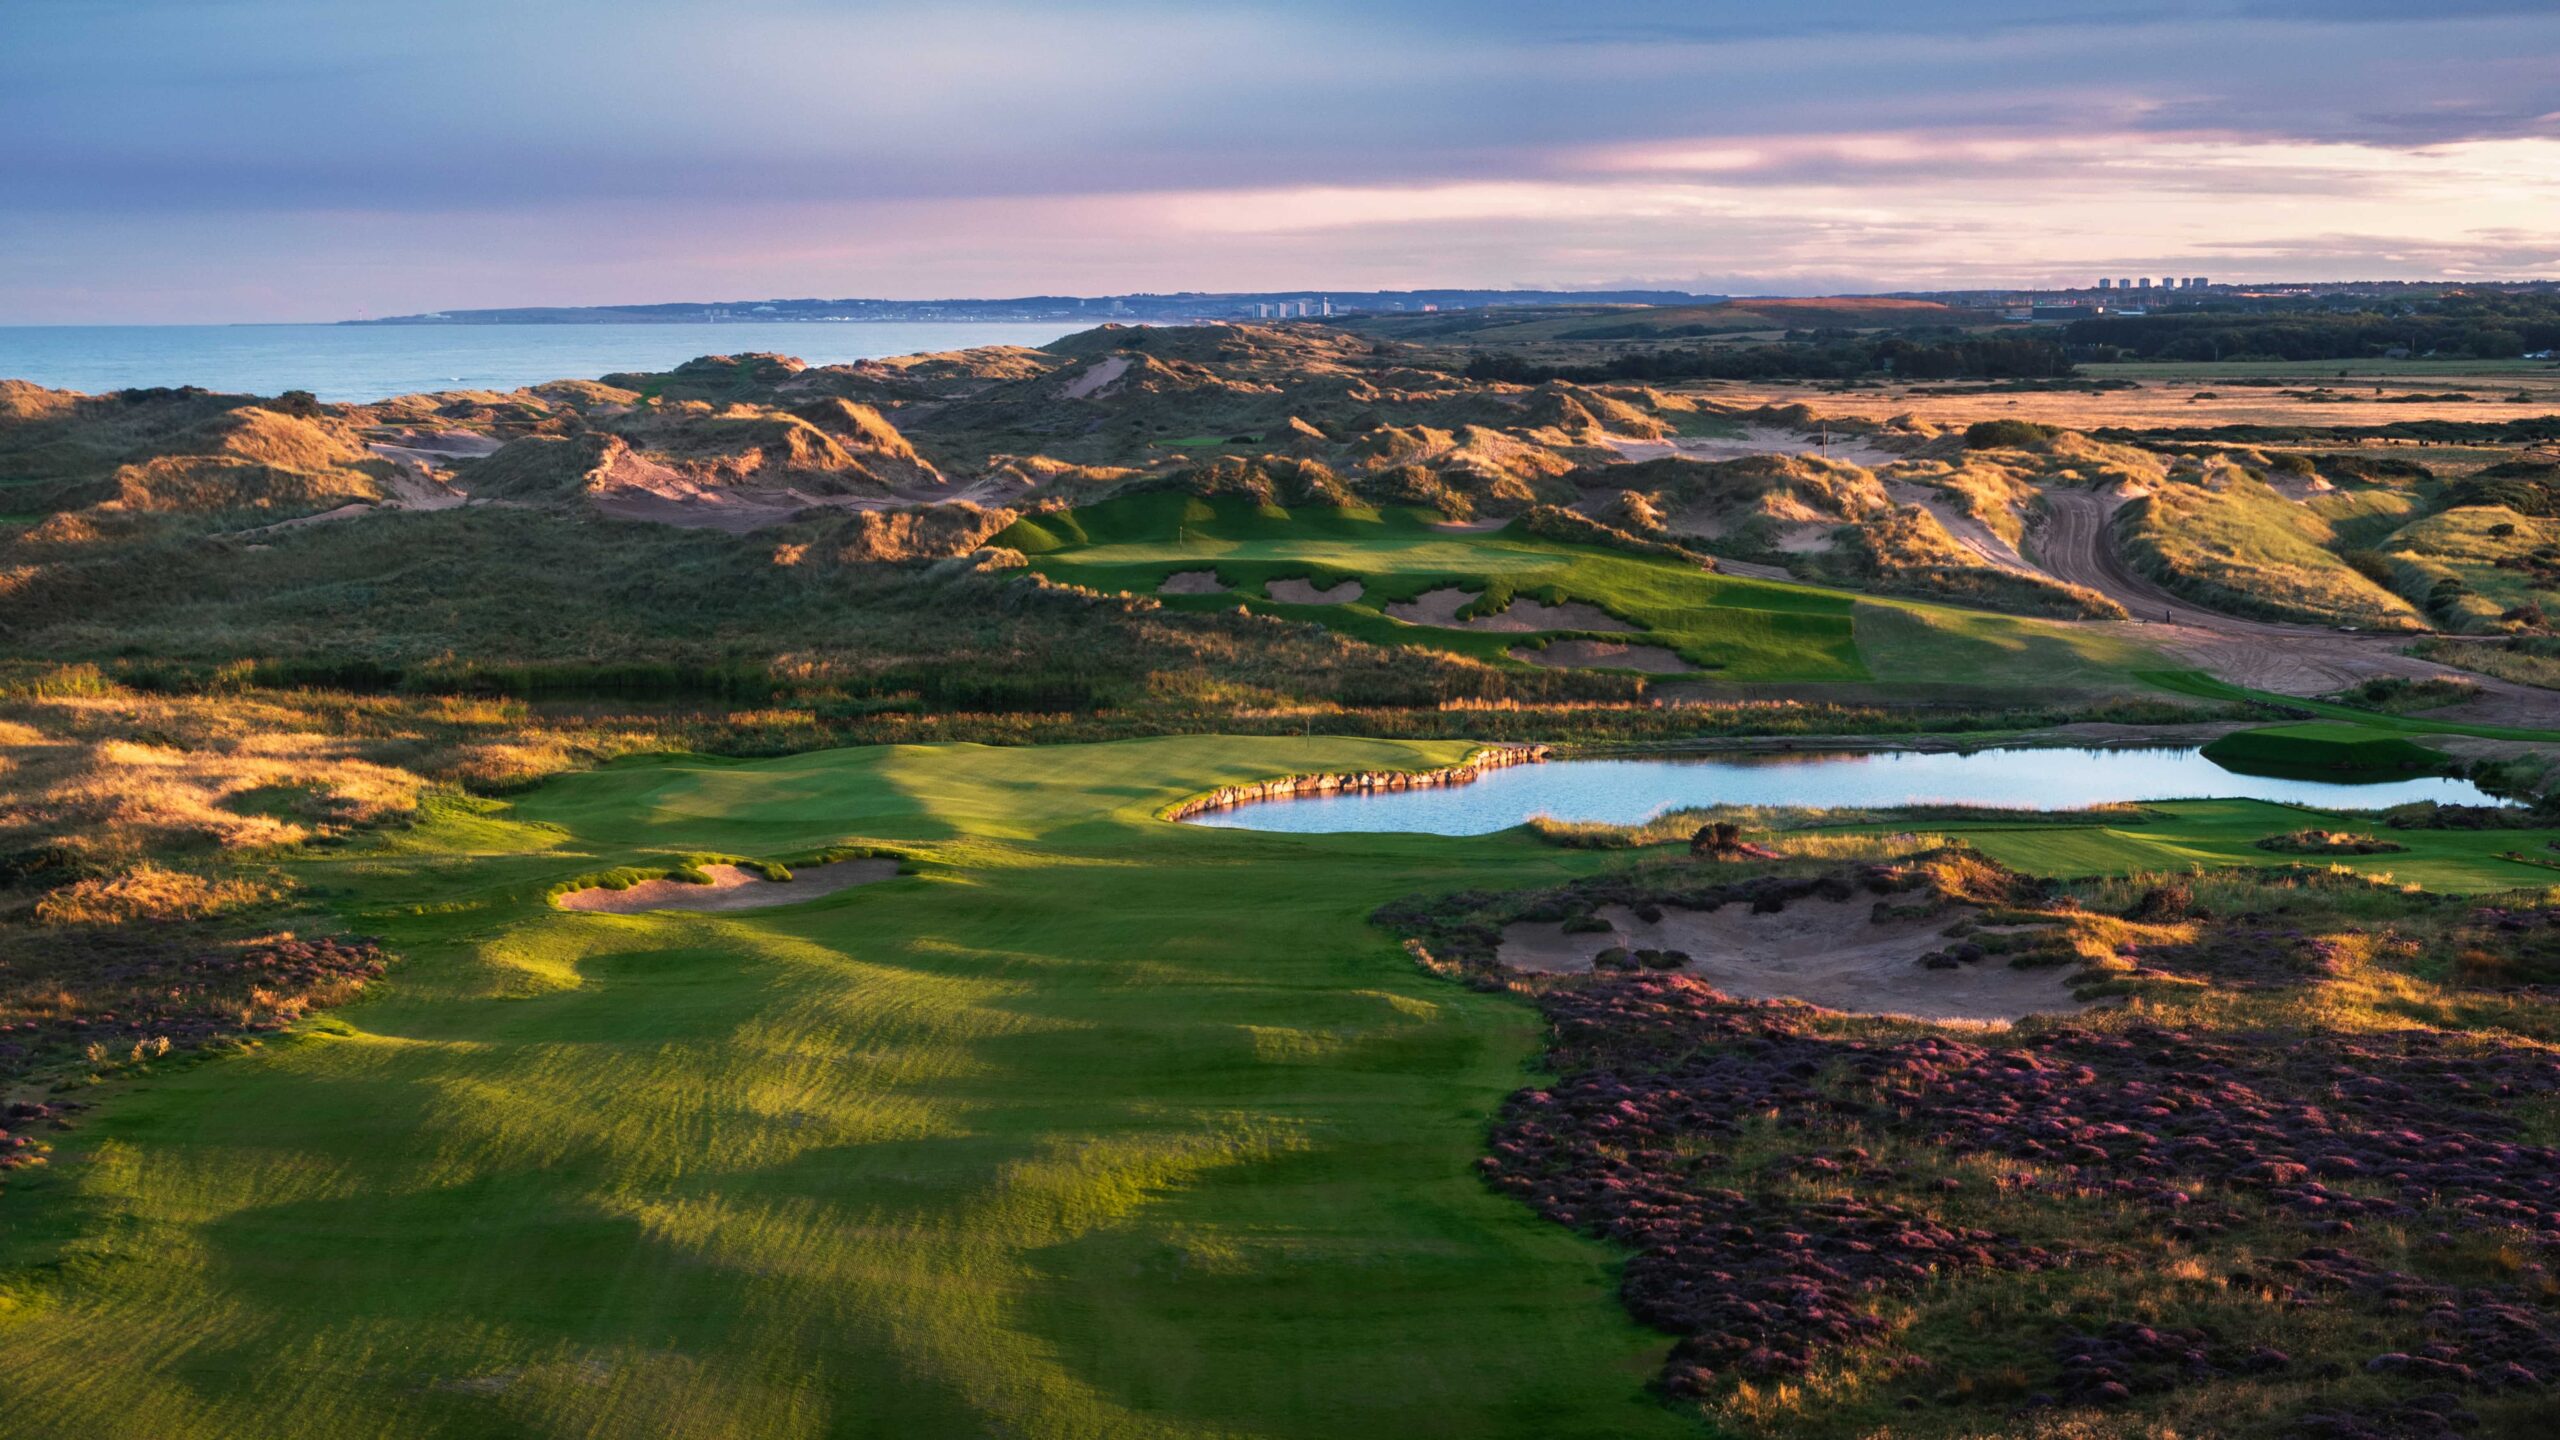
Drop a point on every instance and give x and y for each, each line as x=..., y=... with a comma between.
x=149, y=892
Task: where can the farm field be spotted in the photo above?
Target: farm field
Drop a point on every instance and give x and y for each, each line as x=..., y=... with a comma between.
x=1031, y=1141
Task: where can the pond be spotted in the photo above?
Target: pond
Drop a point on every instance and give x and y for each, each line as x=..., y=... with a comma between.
x=1628, y=792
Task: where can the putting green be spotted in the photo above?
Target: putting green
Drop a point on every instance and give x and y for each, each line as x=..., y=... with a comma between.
x=1091, y=1126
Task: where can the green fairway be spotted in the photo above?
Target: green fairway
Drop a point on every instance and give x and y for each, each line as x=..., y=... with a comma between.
x=2218, y=833
x=1090, y=1126
x=2322, y=746
x=1749, y=631
x=2204, y=687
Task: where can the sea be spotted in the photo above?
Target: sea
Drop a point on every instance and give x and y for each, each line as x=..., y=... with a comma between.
x=375, y=362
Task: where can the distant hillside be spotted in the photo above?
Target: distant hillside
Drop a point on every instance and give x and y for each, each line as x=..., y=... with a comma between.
x=1073, y=309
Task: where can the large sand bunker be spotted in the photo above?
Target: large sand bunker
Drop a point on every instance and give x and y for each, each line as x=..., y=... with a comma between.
x=1191, y=582
x=731, y=889
x=1521, y=617
x=1604, y=655
x=1824, y=952
x=1301, y=592
x=1758, y=440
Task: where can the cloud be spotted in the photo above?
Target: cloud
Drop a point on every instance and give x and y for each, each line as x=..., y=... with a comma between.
x=1538, y=142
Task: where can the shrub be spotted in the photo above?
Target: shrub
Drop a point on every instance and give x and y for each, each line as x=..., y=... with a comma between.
x=2007, y=435
x=2328, y=842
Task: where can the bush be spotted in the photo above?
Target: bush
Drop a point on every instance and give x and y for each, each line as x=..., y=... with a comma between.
x=2007, y=435
x=2328, y=842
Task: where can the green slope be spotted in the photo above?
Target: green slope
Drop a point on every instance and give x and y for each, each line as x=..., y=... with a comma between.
x=1093, y=1126
x=1736, y=630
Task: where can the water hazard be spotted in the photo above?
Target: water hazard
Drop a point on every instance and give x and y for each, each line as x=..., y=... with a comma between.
x=1627, y=792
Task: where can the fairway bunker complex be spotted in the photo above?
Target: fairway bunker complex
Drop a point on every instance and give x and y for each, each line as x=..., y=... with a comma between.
x=729, y=887
x=1838, y=954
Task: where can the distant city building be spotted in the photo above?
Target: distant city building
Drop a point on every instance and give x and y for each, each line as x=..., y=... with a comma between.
x=2106, y=284
x=2125, y=284
x=2144, y=284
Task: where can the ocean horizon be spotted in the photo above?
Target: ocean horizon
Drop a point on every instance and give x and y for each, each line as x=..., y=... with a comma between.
x=358, y=363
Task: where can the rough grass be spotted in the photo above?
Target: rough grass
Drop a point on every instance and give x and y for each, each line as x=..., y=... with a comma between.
x=2469, y=568
x=2526, y=660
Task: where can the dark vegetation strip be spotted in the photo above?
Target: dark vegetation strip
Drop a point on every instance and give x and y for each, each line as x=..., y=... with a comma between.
x=2364, y=1220
x=2205, y=687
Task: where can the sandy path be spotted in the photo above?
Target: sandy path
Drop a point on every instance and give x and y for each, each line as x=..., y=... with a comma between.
x=432, y=448
x=2077, y=545
x=731, y=889
x=411, y=486
x=1824, y=952
x=1604, y=655
x=1300, y=592
x=1192, y=582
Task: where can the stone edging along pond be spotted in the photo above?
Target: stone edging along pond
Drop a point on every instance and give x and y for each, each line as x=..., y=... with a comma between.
x=1353, y=782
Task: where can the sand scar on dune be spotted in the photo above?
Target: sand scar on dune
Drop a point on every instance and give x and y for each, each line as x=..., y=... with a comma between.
x=1303, y=592
x=731, y=889
x=1096, y=376
x=1832, y=953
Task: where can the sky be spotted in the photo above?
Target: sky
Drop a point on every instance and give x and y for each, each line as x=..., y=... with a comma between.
x=227, y=160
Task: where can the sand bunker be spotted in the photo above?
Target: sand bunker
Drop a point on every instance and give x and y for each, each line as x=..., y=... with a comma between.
x=731, y=889
x=1746, y=570
x=1434, y=607
x=1192, y=582
x=1824, y=952
x=1299, y=592
x=1758, y=440
x=1440, y=607
x=1604, y=655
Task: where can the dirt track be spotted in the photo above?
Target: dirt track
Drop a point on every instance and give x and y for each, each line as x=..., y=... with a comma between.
x=2076, y=544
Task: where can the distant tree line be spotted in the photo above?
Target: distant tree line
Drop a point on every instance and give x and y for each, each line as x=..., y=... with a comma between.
x=2499, y=326
x=1824, y=356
